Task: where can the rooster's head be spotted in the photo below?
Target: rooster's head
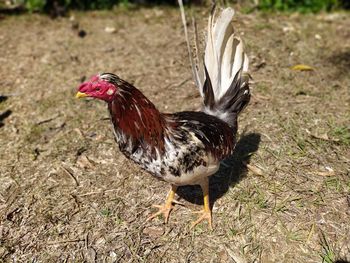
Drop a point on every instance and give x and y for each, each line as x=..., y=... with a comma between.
x=102, y=86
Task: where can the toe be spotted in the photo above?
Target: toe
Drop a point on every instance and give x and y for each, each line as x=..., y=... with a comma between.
x=162, y=209
x=205, y=216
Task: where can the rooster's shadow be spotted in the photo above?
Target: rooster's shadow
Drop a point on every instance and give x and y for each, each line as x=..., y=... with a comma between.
x=5, y=114
x=231, y=171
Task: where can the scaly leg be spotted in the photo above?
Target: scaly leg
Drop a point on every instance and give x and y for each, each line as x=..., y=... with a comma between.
x=206, y=212
x=167, y=207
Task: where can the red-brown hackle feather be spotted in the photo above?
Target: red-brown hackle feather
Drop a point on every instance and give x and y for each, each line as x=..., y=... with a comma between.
x=137, y=117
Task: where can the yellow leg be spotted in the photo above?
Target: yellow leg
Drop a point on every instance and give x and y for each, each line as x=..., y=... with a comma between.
x=166, y=207
x=206, y=212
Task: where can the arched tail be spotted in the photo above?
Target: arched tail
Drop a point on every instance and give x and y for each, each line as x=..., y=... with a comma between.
x=222, y=78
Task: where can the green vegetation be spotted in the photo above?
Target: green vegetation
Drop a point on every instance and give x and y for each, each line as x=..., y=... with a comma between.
x=46, y=6
x=49, y=6
x=328, y=255
x=106, y=212
x=342, y=134
x=302, y=5
x=266, y=5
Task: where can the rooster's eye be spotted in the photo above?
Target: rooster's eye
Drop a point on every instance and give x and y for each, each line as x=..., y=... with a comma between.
x=97, y=89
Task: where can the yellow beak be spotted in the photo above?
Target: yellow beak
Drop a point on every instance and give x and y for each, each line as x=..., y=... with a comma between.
x=81, y=95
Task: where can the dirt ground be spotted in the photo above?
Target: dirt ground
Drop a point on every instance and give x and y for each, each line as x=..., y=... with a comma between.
x=68, y=195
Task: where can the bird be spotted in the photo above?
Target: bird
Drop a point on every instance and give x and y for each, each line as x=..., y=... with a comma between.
x=183, y=148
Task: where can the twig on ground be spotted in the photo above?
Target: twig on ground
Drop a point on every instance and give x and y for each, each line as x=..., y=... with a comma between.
x=324, y=137
x=97, y=192
x=65, y=241
x=254, y=169
x=70, y=174
x=47, y=120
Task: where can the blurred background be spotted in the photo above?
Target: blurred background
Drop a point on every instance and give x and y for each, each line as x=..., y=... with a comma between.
x=60, y=7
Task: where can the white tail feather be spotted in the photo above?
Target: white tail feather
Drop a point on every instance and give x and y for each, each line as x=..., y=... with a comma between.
x=226, y=64
x=222, y=32
x=210, y=56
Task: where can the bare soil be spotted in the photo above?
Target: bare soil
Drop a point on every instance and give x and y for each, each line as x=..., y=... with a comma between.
x=68, y=195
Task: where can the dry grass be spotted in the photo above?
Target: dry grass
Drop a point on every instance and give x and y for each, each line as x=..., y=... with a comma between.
x=68, y=195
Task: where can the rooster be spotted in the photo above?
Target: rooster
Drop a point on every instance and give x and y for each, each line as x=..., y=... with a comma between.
x=183, y=148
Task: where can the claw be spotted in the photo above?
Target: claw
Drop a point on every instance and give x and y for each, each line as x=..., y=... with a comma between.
x=206, y=215
x=163, y=209
x=167, y=207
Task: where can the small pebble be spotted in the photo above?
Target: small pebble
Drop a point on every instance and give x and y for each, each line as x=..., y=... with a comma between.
x=82, y=33
x=110, y=29
x=318, y=37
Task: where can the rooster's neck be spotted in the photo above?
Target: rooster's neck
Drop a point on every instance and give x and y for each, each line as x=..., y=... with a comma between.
x=136, y=120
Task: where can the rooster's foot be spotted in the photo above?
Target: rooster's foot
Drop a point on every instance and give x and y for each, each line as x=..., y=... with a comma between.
x=164, y=210
x=167, y=207
x=206, y=215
